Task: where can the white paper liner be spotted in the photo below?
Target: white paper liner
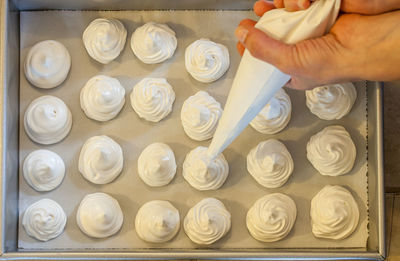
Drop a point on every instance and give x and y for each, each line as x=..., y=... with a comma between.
x=240, y=190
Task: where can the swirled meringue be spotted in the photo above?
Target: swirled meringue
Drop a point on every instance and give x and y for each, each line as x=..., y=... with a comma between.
x=152, y=99
x=43, y=170
x=153, y=43
x=203, y=174
x=102, y=98
x=99, y=215
x=200, y=114
x=104, y=39
x=334, y=213
x=270, y=163
x=332, y=101
x=44, y=220
x=156, y=165
x=100, y=160
x=47, y=120
x=275, y=115
x=207, y=221
x=206, y=61
x=271, y=218
x=332, y=151
x=47, y=64
x=157, y=221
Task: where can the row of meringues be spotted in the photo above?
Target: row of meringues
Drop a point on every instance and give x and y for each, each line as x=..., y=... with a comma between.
x=334, y=215
x=331, y=151
x=48, y=62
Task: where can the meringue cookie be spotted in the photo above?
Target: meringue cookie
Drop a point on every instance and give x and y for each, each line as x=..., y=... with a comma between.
x=200, y=114
x=47, y=64
x=275, y=115
x=47, y=120
x=332, y=151
x=44, y=220
x=206, y=61
x=334, y=213
x=104, y=39
x=102, y=98
x=332, y=101
x=203, y=174
x=157, y=221
x=271, y=218
x=270, y=163
x=153, y=43
x=156, y=165
x=207, y=221
x=99, y=215
x=43, y=170
x=152, y=99
x=101, y=160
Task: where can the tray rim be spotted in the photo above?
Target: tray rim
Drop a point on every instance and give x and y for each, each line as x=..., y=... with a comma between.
x=7, y=7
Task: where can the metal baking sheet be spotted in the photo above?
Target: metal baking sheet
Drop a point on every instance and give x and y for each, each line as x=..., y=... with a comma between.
x=238, y=193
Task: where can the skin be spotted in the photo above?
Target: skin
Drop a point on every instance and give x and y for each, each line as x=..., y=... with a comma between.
x=362, y=44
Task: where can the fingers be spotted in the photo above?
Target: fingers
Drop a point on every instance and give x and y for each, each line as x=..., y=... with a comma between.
x=292, y=5
x=260, y=45
x=240, y=47
x=262, y=6
x=247, y=22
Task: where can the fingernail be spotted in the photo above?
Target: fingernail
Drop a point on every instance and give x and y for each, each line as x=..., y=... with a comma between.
x=241, y=34
x=302, y=4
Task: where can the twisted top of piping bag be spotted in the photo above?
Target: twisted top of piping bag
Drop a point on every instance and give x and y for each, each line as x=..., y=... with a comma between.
x=244, y=103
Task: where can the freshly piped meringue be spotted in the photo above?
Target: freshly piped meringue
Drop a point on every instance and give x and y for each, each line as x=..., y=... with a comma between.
x=332, y=151
x=206, y=61
x=43, y=170
x=104, y=39
x=153, y=43
x=99, y=215
x=47, y=120
x=102, y=98
x=270, y=163
x=200, y=114
x=47, y=64
x=152, y=99
x=332, y=101
x=157, y=221
x=275, y=115
x=207, y=221
x=203, y=173
x=101, y=160
x=334, y=213
x=44, y=220
x=271, y=218
x=156, y=165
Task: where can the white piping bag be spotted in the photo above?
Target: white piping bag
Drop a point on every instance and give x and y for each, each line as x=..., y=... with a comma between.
x=256, y=82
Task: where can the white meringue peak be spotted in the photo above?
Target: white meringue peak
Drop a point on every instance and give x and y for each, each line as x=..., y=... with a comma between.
x=101, y=160
x=47, y=120
x=200, y=114
x=47, y=64
x=102, y=98
x=43, y=170
x=104, y=39
x=203, y=173
x=206, y=61
x=99, y=215
x=152, y=99
x=153, y=43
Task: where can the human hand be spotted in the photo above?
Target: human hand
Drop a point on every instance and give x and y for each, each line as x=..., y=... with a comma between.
x=357, y=47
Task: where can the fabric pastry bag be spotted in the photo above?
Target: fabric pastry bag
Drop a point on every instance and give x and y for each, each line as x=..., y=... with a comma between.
x=256, y=82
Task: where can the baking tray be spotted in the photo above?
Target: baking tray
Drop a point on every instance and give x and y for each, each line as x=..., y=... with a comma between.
x=10, y=72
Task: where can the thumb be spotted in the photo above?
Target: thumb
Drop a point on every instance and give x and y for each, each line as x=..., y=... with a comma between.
x=263, y=47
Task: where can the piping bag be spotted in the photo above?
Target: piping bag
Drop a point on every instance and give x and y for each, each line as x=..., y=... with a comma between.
x=256, y=81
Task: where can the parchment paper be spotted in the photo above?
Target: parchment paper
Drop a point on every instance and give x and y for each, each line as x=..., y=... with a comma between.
x=240, y=190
